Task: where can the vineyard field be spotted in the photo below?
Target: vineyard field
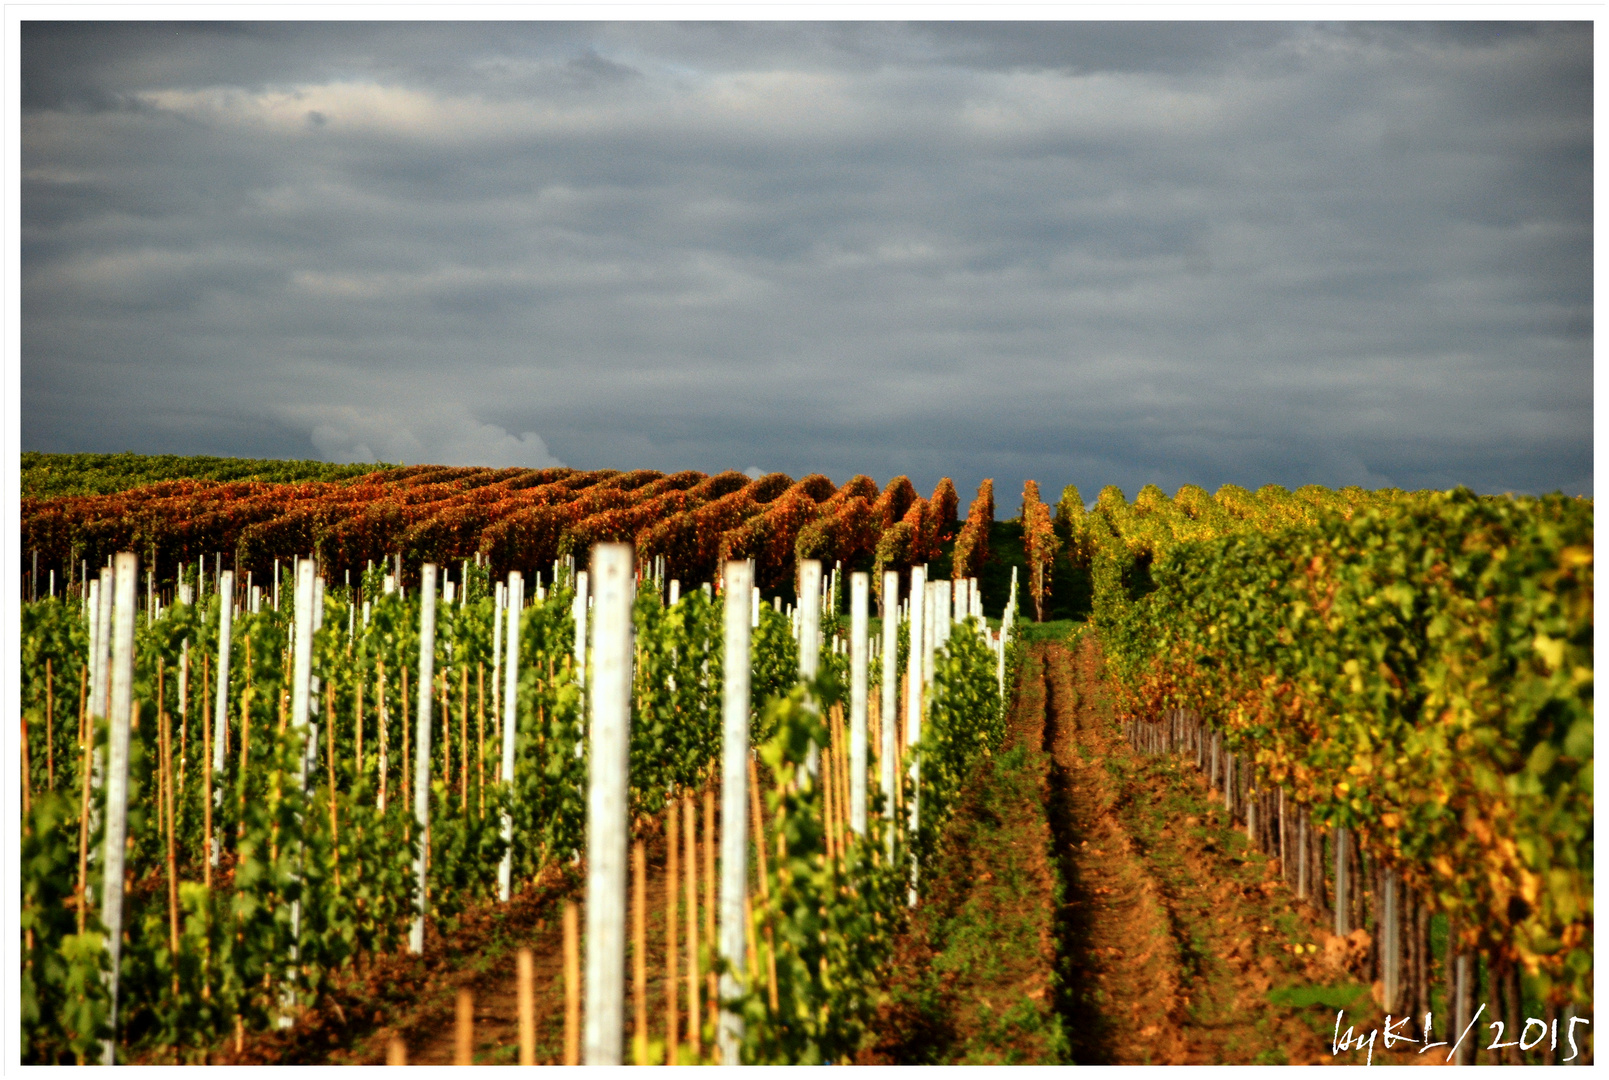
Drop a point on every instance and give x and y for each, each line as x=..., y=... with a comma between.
x=518, y=766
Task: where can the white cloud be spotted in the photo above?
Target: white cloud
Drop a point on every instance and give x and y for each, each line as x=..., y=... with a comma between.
x=443, y=435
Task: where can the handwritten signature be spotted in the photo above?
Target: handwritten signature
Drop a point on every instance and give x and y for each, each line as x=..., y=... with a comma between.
x=1393, y=1034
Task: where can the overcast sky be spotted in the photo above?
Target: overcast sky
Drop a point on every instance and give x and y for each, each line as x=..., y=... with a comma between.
x=1088, y=253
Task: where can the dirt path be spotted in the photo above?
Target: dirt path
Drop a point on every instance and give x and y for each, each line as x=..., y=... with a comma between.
x=1173, y=933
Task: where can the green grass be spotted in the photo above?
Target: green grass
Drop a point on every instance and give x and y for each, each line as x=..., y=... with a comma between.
x=1341, y=995
x=102, y=474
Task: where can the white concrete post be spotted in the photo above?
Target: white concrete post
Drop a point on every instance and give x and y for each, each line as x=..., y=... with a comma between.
x=220, y=715
x=810, y=638
x=301, y=695
x=917, y=678
x=580, y=613
x=606, y=806
x=734, y=797
x=930, y=634
x=942, y=620
x=511, y=686
x=1000, y=656
x=891, y=605
x=92, y=614
x=499, y=598
x=103, y=644
x=859, y=588
x=421, y=768
x=302, y=658
x=126, y=582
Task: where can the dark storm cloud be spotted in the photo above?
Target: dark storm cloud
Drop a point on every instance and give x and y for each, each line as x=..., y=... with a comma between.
x=1090, y=253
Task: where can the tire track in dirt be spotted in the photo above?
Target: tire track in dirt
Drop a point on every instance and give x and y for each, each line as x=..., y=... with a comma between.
x=1172, y=934
x=1119, y=971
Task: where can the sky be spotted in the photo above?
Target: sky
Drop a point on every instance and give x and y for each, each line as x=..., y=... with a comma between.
x=1087, y=253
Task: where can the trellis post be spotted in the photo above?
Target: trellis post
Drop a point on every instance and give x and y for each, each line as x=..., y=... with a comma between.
x=606, y=805
x=916, y=678
x=511, y=686
x=891, y=607
x=126, y=583
x=421, y=768
x=810, y=639
x=734, y=798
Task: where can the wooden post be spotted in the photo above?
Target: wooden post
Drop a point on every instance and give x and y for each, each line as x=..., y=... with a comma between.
x=859, y=590
x=711, y=985
x=480, y=732
x=828, y=788
x=607, y=800
x=27, y=771
x=184, y=707
x=384, y=724
x=335, y=828
x=164, y=723
x=421, y=775
x=690, y=857
x=763, y=876
x=1342, y=925
x=463, y=737
x=735, y=766
x=357, y=708
x=672, y=868
x=402, y=700
x=396, y=1051
x=639, y=951
x=125, y=583
x=1301, y=856
x=464, y=1040
x=83, y=836
x=511, y=687
x=207, y=850
x=572, y=987
x=50, y=725
x=525, y=993
x=1390, y=940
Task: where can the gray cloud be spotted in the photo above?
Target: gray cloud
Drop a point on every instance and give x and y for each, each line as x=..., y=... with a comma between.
x=1090, y=253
